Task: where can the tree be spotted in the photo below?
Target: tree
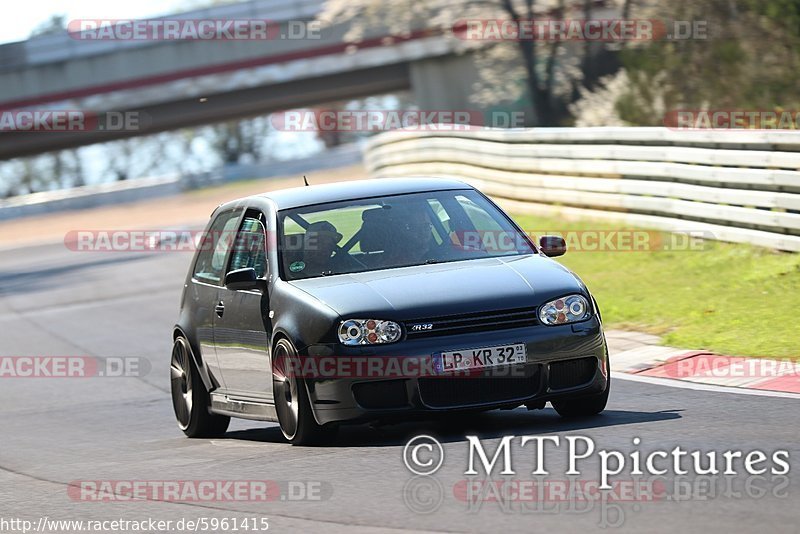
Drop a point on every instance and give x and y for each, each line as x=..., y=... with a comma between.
x=235, y=140
x=551, y=76
x=55, y=24
x=748, y=60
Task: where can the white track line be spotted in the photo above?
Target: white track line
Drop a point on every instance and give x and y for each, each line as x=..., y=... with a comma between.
x=668, y=382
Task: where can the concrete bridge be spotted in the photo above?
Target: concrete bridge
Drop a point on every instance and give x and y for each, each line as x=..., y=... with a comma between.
x=173, y=83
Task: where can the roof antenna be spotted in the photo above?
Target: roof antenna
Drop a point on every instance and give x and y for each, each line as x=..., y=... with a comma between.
x=305, y=180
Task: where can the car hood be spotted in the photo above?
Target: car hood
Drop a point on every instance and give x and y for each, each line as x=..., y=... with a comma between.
x=445, y=289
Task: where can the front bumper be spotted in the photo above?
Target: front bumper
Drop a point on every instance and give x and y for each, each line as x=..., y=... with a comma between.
x=566, y=361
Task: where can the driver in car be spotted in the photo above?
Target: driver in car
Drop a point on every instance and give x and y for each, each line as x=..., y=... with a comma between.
x=415, y=243
x=319, y=244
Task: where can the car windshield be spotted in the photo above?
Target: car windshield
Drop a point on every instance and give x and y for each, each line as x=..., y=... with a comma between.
x=394, y=231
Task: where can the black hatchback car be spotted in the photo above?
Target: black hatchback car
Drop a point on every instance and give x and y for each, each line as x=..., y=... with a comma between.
x=374, y=300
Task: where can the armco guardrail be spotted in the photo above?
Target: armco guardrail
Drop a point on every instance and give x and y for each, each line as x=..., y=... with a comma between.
x=90, y=196
x=138, y=189
x=734, y=186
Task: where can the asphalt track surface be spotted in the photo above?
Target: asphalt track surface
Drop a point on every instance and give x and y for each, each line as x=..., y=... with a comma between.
x=59, y=430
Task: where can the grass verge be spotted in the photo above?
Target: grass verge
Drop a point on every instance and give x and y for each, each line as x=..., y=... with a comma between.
x=728, y=298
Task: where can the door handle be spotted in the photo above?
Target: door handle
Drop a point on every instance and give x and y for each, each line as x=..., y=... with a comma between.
x=220, y=308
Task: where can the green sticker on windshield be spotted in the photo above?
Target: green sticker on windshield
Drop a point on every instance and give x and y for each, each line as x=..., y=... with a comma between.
x=297, y=266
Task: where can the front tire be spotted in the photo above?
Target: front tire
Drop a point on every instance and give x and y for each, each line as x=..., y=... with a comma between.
x=291, y=399
x=584, y=406
x=190, y=400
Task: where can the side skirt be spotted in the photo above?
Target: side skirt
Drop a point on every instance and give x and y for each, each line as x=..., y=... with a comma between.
x=258, y=410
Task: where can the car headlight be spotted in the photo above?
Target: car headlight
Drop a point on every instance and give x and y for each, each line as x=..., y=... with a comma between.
x=569, y=309
x=368, y=332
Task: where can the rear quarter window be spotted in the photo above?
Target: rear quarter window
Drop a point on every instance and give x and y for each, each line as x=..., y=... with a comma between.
x=214, y=246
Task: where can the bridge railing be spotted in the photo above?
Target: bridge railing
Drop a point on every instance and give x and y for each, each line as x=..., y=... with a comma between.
x=734, y=186
x=61, y=46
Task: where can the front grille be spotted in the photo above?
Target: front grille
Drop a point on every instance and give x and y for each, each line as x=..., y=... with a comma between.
x=447, y=392
x=383, y=394
x=572, y=373
x=472, y=322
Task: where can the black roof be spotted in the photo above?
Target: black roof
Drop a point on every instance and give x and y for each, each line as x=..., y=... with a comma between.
x=334, y=192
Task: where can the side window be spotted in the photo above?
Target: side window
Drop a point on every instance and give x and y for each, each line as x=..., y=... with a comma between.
x=346, y=221
x=443, y=216
x=490, y=232
x=214, y=246
x=440, y=212
x=482, y=221
x=250, y=247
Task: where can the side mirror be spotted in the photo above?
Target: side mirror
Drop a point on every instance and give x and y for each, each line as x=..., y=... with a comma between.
x=552, y=245
x=243, y=280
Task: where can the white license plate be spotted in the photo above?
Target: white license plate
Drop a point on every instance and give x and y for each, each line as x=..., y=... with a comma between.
x=460, y=360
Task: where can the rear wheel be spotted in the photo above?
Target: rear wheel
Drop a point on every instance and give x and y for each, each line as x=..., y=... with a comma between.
x=190, y=399
x=583, y=406
x=291, y=399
